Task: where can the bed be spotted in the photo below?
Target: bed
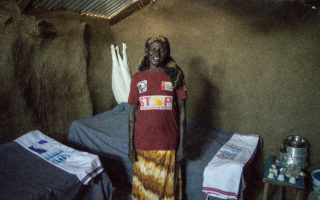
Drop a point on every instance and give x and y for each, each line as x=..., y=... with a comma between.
x=24, y=175
x=107, y=133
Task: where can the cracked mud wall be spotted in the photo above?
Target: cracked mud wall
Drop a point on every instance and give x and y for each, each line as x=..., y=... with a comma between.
x=54, y=68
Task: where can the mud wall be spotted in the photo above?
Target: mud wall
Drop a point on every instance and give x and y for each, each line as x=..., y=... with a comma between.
x=54, y=68
x=251, y=68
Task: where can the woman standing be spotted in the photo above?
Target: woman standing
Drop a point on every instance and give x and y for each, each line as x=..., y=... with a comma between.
x=157, y=121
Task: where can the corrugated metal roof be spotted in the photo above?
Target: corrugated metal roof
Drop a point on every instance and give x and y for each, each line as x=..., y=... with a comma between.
x=97, y=8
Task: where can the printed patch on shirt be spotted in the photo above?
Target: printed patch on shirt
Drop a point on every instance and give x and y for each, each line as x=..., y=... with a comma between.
x=166, y=85
x=159, y=102
x=142, y=86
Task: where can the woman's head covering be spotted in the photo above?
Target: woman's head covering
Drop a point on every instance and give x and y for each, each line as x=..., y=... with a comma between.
x=171, y=68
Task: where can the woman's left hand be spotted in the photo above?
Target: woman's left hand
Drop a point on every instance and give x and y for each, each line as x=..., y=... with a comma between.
x=182, y=128
x=179, y=154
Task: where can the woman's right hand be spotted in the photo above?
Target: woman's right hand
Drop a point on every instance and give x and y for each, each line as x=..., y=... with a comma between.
x=132, y=154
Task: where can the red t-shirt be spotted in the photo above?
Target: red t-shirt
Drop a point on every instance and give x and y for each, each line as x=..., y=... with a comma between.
x=156, y=126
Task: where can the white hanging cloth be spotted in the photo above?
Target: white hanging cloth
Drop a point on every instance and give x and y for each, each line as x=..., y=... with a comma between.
x=124, y=66
x=121, y=76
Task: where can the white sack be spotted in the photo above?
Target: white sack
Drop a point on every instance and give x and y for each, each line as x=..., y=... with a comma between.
x=82, y=164
x=121, y=77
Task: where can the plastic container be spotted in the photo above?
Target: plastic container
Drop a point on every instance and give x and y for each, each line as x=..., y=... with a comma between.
x=316, y=179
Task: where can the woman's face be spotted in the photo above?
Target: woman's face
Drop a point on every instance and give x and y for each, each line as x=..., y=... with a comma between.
x=157, y=53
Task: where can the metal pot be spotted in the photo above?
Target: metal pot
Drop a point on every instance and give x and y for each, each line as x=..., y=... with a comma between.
x=296, y=141
x=287, y=159
x=294, y=151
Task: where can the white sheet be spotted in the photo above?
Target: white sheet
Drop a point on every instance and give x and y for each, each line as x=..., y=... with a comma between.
x=222, y=176
x=82, y=164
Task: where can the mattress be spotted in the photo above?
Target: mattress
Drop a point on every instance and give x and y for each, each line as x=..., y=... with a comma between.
x=107, y=133
x=23, y=175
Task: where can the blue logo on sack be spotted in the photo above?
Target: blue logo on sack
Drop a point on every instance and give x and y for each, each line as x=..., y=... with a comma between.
x=227, y=155
x=58, y=157
x=233, y=147
x=42, y=142
x=37, y=150
x=61, y=159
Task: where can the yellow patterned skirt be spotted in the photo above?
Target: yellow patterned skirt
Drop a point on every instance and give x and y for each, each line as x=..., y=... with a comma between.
x=156, y=176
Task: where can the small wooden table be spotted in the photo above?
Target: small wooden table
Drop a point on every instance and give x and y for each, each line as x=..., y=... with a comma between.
x=298, y=187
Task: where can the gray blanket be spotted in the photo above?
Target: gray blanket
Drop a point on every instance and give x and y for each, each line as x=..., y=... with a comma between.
x=108, y=133
x=24, y=175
